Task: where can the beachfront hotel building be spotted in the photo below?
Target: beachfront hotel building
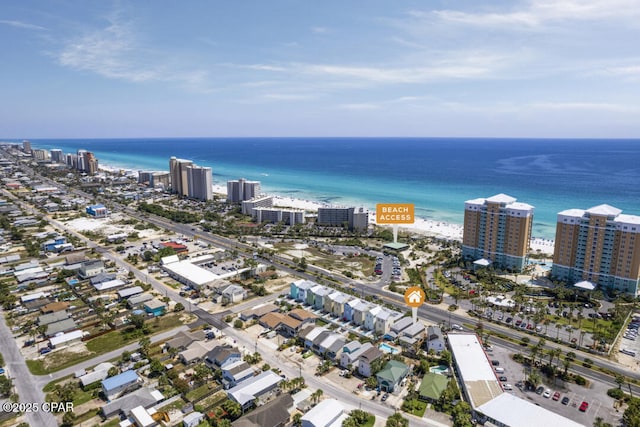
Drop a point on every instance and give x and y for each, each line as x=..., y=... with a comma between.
x=497, y=229
x=599, y=245
x=56, y=155
x=240, y=190
x=353, y=218
x=200, y=181
x=178, y=173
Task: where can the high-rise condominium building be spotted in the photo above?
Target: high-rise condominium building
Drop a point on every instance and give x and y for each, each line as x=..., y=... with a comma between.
x=241, y=189
x=40, y=155
x=497, y=229
x=179, y=179
x=26, y=146
x=56, y=155
x=200, y=181
x=353, y=218
x=86, y=162
x=599, y=245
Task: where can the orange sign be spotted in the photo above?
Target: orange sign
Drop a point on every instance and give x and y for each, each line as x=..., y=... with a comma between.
x=414, y=296
x=395, y=213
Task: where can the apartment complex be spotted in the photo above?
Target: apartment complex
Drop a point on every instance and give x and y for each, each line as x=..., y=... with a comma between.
x=354, y=219
x=497, y=229
x=189, y=180
x=598, y=245
x=154, y=179
x=241, y=190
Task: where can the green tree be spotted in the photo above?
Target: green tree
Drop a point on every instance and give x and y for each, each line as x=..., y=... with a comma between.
x=297, y=419
x=631, y=415
x=5, y=386
x=462, y=415
x=232, y=408
x=397, y=420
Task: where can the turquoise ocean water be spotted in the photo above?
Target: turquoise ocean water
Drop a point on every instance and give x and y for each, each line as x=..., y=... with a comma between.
x=436, y=174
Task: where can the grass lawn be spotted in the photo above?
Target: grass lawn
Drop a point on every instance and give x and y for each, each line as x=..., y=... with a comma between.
x=417, y=407
x=371, y=421
x=199, y=392
x=177, y=405
x=103, y=344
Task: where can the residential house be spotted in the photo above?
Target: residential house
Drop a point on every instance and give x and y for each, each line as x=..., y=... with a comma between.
x=256, y=388
x=347, y=312
x=99, y=373
x=155, y=307
x=258, y=312
x=193, y=419
x=338, y=303
x=120, y=384
x=391, y=375
x=196, y=351
x=298, y=289
x=370, y=318
x=56, y=316
x=401, y=324
x=329, y=412
x=272, y=414
x=144, y=397
x=435, y=339
x=138, y=300
x=384, y=319
x=366, y=359
x=221, y=356
x=236, y=372
x=432, y=387
x=129, y=292
x=360, y=312
x=233, y=294
x=331, y=345
x=316, y=296
x=310, y=334
x=65, y=325
x=90, y=268
x=350, y=353
x=54, y=307
x=183, y=339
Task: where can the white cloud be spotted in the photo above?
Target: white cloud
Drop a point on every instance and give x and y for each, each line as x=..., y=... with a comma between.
x=320, y=30
x=114, y=52
x=20, y=24
x=540, y=12
x=584, y=106
x=359, y=107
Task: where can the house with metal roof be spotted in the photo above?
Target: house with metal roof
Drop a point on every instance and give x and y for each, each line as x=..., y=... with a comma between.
x=390, y=376
x=259, y=387
x=117, y=385
x=329, y=412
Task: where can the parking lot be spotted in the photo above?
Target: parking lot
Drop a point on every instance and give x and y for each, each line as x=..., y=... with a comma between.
x=599, y=404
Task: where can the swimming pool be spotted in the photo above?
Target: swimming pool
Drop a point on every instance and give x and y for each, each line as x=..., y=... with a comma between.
x=388, y=349
x=440, y=369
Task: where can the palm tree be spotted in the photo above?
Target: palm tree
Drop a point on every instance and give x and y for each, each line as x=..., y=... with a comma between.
x=297, y=419
x=397, y=420
x=558, y=327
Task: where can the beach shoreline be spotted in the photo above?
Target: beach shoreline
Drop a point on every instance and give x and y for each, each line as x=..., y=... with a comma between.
x=424, y=226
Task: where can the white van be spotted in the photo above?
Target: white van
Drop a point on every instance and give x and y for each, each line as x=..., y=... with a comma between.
x=507, y=387
x=499, y=370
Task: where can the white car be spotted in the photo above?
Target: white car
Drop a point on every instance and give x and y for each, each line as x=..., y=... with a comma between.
x=457, y=327
x=547, y=393
x=507, y=387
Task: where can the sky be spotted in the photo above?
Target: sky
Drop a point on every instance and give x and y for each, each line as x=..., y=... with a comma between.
x=452, y=68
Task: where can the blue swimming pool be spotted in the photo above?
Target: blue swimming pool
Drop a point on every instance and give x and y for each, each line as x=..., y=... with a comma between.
x=388, y=349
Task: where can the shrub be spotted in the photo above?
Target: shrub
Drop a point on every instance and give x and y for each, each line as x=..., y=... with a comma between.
x=580, y=380
x=616, y=393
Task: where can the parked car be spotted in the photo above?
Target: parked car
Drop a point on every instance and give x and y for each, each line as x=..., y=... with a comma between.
x=503, y=379
x=495, y=362
x=384, y=397
x=556, y=395
x=584, y=406
x=547, y=393
x=565, y=400
x=45, y=350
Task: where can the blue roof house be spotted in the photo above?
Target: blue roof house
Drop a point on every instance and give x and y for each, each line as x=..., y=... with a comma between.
x=117, y=385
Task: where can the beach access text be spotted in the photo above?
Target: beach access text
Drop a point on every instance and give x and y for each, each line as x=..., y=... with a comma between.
x=395, y=213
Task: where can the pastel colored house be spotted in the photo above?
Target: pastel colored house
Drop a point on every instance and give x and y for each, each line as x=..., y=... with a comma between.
x=384, y=319
x=350, y=353
x=370, y=318
x=155, y=307
x=338, y=303
x=347, y=313
x=298, y=290
x=435, y=339
x=319, y=293
x=360, y=311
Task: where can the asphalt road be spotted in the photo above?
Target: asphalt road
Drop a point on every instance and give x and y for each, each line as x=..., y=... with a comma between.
x=22, y=378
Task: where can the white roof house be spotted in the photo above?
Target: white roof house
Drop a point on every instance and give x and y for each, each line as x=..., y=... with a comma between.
x=328, y=413
x=64, y=338
x=189, y=274
x=245, y=392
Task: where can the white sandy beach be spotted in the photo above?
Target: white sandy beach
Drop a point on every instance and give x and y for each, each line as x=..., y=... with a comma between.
x=423, y=226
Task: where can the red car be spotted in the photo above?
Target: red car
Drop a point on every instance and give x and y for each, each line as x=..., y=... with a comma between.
x=556, y=395
x=584, y=406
